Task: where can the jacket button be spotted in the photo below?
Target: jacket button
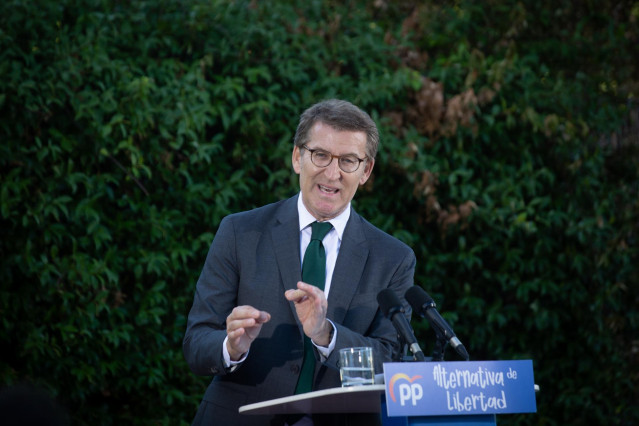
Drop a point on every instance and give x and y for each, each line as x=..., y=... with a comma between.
x=295, y=369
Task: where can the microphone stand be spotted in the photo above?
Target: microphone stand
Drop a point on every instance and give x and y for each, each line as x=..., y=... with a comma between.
x=440, y=346
x=405, y=355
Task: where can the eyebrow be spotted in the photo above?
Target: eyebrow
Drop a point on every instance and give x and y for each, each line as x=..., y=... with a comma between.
x=330, y=152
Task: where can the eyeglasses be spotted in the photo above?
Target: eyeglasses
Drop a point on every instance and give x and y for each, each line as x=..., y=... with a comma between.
x=349, y=163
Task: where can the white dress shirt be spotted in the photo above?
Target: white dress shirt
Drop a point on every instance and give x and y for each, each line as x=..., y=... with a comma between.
x=331, y=243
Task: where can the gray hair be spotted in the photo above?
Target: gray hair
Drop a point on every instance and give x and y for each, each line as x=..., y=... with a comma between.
x=342, y=116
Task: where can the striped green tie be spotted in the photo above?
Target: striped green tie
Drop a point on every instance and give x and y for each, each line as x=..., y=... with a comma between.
x=313, y=272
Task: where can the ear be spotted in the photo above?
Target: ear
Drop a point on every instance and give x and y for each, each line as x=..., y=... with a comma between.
x=296, y=160
x=368, y=169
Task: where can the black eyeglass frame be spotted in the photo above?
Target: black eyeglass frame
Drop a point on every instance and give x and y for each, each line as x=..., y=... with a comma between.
x=360, y=160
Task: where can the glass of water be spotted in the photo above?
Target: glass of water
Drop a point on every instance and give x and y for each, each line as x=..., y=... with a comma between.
x=356, y=366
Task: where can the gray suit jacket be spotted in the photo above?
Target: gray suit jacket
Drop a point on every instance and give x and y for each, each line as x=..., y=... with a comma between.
x=253, y=260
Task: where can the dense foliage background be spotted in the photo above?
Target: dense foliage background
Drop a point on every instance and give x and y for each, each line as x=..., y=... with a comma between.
x=509, y=162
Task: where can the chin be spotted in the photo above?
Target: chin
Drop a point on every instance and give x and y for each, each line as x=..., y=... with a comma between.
x=330, y=214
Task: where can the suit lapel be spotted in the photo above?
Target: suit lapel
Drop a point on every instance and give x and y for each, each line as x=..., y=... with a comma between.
x=286, y=243
x=285, y=238
x=349, y=267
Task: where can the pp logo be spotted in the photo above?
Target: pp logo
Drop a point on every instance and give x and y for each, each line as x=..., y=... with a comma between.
x=408, y=392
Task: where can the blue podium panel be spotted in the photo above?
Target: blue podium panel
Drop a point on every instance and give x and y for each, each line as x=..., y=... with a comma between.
x=478, y=420
x=472, y=420
x=467, y=420
x=461, y=388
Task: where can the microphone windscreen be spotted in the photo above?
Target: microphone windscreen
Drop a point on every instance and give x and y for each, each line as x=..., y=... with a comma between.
x=388, y=300
x=418, y=298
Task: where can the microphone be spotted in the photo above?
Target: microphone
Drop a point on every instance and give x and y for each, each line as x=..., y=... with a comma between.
x=393, y=309
x=424, y=305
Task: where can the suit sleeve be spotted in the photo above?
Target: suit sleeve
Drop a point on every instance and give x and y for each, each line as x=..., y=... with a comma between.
x=215, y=297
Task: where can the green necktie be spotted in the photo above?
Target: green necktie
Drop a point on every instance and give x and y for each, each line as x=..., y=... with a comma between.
x=313, y=272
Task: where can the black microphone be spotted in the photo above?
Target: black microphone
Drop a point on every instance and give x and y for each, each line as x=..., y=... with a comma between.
x=424, y=306
x=393, y=309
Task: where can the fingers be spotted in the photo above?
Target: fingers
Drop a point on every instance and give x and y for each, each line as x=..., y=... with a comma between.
x=310, y=306
x=295, y=295
x=243, y=317
x=309, y=288
x=303, y=292
x=242, y=313
x=242, y=327
x=263, y=317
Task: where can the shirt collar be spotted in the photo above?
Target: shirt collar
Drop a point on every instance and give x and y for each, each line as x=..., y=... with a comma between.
x=338, y=222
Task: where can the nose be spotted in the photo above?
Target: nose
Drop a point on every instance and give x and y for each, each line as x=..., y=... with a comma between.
x=332, y=170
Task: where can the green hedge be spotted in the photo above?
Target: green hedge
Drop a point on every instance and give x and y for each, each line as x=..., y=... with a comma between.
x=508, y=162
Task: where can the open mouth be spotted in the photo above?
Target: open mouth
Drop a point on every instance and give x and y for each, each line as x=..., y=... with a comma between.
x=327, y=190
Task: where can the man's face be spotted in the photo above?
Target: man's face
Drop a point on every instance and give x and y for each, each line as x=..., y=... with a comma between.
x=326, y=191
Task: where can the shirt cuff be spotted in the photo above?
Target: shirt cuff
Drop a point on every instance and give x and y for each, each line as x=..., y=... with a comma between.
x=326, y=351
x=228, y=364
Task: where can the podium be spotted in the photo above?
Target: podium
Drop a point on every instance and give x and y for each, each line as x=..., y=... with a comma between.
x=427, y=393
x=356, y=399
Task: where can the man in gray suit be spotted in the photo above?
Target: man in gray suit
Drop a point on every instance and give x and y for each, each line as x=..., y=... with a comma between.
x=251, y=310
